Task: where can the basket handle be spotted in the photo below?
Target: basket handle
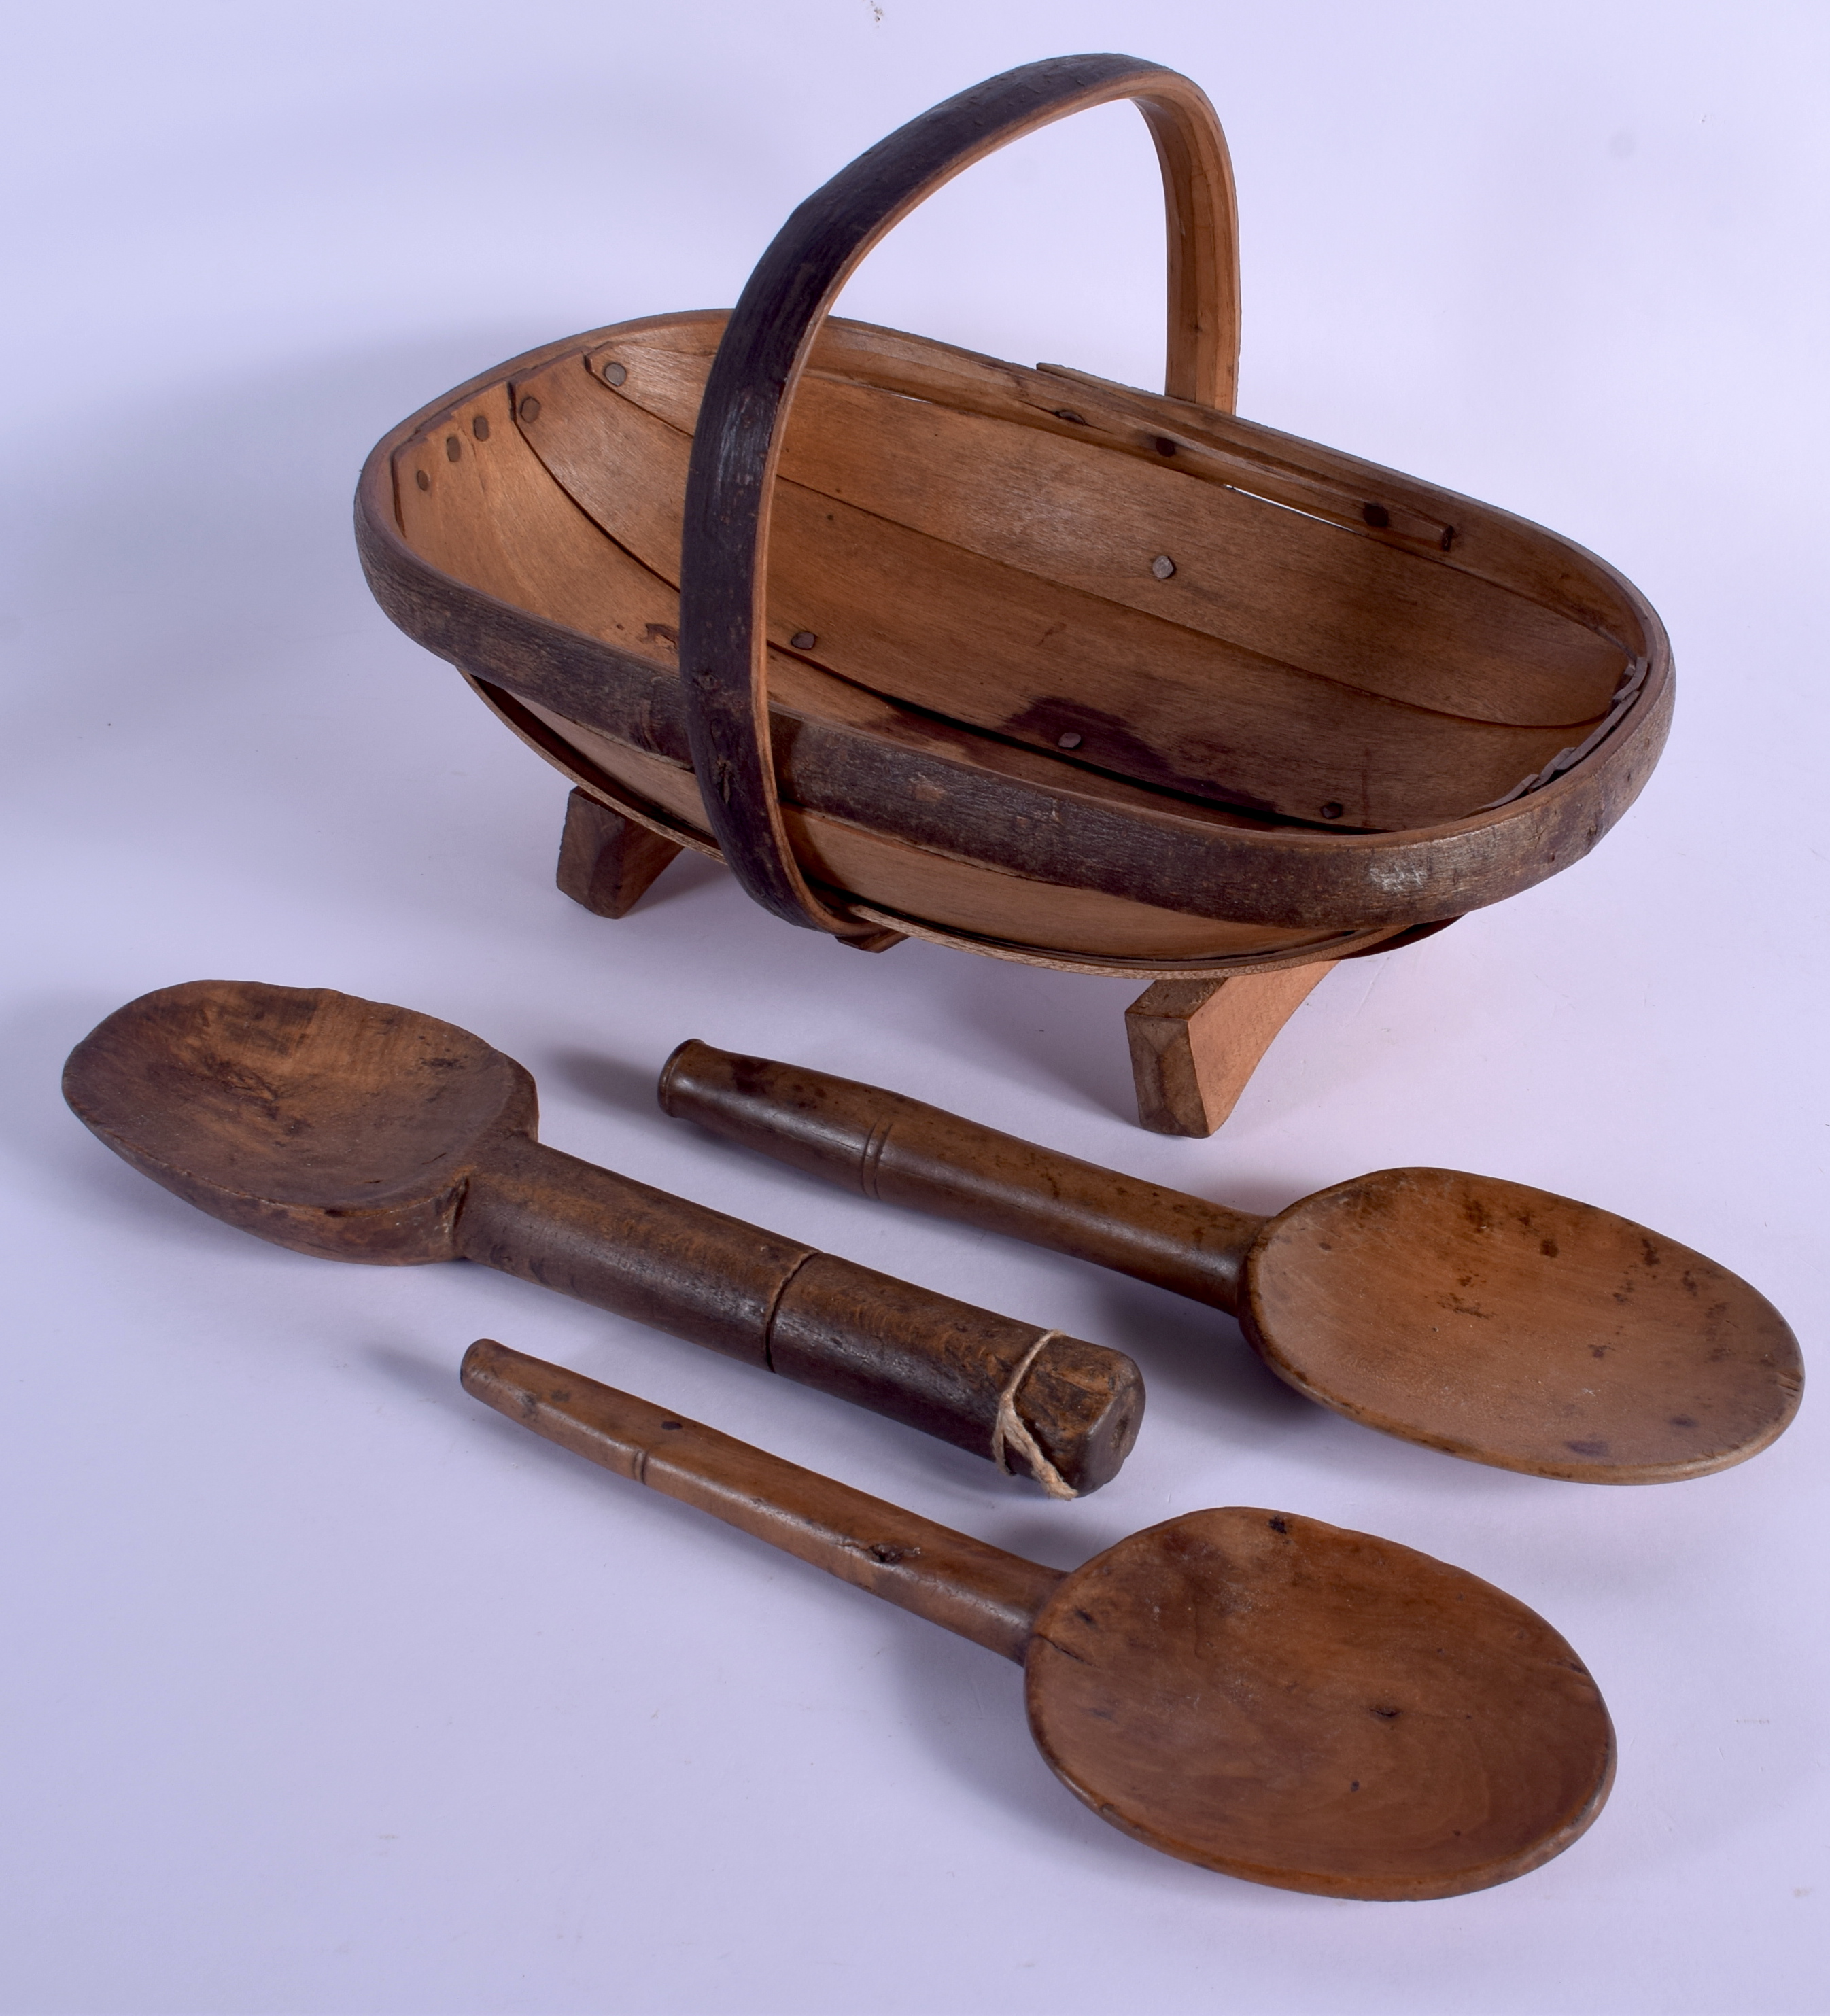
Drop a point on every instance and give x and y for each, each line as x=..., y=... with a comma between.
x=737, y=440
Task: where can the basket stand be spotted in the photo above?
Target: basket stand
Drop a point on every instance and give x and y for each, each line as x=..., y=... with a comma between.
x=1194, y=1043
x=606, y=862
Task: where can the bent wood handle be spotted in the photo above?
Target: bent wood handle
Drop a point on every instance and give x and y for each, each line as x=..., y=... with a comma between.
x=922, y=1358
x=736, y=439
x=903, y=1152
x=979, y=1591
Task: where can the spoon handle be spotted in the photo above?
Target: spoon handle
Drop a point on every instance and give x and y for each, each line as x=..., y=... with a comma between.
x=903, y=1152
x=1064, y=1411
x=949, y=1577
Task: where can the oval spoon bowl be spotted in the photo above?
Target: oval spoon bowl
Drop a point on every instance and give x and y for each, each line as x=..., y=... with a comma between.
x=1519, y=1329
x=337, y=1126
x=1316, y=1709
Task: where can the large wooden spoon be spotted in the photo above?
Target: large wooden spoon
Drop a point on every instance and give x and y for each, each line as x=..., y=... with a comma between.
x=1250, y=1690
x=360, y=1131
x=1495, y=1322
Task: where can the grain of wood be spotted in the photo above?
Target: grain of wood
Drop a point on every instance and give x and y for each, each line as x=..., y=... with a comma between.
x=920, y=617
x=1320, y=596
x=1195, y=1043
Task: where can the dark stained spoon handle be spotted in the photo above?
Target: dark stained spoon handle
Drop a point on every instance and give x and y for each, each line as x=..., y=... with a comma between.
x=901, y=1151
x=922, y=1359
x=359, y=1131
x=979, y=1591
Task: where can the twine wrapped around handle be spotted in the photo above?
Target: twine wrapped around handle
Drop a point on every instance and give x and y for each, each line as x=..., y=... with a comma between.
x=737, y=443
x=1010, y=1429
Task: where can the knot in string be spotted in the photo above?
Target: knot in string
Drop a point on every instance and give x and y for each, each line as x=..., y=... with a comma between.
x=1011, y=1430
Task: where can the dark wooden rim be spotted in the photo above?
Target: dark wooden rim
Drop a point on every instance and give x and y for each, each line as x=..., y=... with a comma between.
x=1281, y=876
x=737, y=440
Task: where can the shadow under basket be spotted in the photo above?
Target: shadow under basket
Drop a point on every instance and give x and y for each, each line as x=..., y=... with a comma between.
x=1022, y=662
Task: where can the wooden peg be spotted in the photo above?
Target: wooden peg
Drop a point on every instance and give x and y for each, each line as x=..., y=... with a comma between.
x=1195, y=1042
x=606, y=862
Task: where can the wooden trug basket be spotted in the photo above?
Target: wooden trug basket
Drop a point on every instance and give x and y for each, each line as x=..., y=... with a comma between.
x=1020, y=661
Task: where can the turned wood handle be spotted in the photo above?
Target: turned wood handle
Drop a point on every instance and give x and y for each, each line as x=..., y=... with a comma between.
x=736, y=441
x=921, y=1358
x=903, y=1152
x=979, y=1591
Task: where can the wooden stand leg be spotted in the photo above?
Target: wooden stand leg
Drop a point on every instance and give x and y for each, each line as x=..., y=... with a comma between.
x=880, y=941
x=1195, y=1042
x=606, y=861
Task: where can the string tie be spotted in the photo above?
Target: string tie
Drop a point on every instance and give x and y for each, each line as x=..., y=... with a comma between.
x=1011, y=1432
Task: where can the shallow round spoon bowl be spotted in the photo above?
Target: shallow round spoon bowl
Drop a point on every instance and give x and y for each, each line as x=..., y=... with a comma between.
x=1520, y=1328
x=332, y=1124
x=1316, y=1709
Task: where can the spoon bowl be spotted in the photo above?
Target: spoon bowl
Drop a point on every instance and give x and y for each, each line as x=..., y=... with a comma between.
x=1522, y=1329
x=335, y=1125
x=1316, y=1709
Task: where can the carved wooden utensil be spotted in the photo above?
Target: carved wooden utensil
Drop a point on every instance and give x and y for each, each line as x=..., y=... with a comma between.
x=1480, y=1317
x=1252, y=1691
x=356, y=1131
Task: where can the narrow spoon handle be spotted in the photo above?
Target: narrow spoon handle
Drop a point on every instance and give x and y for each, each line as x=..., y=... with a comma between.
x=903, y=1152
x=949, y=1577
x=1065, y=1411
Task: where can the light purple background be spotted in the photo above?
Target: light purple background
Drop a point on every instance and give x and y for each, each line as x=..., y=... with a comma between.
x=326, y=1691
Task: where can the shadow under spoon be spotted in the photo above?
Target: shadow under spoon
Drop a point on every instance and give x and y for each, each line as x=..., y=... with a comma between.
x=1253, y=1691
x=1483, y=1318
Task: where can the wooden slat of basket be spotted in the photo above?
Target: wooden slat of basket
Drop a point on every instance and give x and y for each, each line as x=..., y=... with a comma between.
x=1212, y=446
x=1488, y=543
x=515, y=610
x=495, y=519
x=485, y=514
x=674, y=355
x=493, y=515
x=986, y=643
x=1379, y=618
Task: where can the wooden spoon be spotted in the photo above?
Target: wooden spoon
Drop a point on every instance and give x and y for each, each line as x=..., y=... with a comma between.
x=1252, y=1691
x=359, y=1131
x=1480, y=1317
